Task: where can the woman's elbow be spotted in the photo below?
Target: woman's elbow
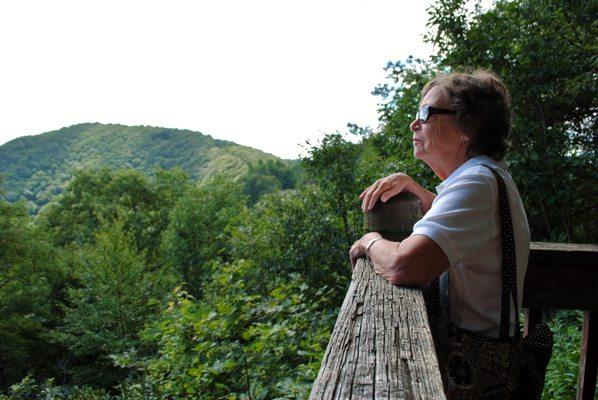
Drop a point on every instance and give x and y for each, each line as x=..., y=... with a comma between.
x=406, y=279
x=395, y=279
x=418, y=261
x=407, y=273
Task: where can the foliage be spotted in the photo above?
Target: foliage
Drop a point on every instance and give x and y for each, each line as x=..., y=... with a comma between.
x=112, y=298
x=561, y=376
x=246, y=335
x=198, y=228
x=237, y=343
x=547, y=55
x=331, y=164
x=101, y=196
x=29, y=279
x=294, y=232
x=267, y=177
x=30, y=389
x=37, y=168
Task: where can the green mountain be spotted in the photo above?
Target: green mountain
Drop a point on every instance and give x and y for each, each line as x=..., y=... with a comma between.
x=37, y=168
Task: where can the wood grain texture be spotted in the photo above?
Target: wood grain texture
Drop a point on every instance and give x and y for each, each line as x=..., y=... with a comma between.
x=394, y=219
x=381, y=346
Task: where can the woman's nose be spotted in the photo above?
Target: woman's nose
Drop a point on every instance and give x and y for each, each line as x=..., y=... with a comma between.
x=415, y=125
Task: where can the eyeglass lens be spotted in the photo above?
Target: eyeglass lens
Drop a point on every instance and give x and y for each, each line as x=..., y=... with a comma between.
x=422, y=114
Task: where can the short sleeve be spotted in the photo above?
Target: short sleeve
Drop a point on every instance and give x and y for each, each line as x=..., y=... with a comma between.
x=461, y=219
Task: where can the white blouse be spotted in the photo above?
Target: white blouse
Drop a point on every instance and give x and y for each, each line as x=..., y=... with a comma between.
x=464, y=221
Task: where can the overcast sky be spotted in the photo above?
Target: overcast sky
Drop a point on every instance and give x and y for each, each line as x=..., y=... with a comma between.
x=266, y=74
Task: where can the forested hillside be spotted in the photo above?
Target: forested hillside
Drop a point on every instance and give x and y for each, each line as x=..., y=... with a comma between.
x=141, y=284
x=37, y=168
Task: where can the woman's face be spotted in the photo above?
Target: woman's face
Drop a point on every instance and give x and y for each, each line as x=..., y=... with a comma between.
x=438, y=139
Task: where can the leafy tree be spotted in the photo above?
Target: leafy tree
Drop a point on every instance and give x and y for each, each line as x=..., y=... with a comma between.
x=266, y=177
x=561, y=376
x=263, y=319
x=97, y=196
x=31, y=389
x=546, y=54
x=238, y=343
x=29, y=277
x=114, y=296
x=391, y=149
x=294, y=232
x=199, y=226
x=331, y=164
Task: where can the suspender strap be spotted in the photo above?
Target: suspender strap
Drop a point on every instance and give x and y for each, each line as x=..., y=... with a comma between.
x=509, y=261
x=439, y=287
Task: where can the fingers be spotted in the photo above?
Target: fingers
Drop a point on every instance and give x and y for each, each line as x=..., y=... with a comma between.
x=375, y=191
x=375, y=196
x=394, y=190
x=353, y=259
x=366, y=200
x=365, y=196
x=364, y=192
x=382, y=189
x=373, y=186
x=365, y=205
x=355, y=253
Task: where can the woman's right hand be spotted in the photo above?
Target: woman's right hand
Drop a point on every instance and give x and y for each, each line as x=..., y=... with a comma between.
x=384, y=189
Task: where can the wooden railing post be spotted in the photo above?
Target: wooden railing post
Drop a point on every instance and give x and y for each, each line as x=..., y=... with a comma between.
x=564, y=276
x=588, y=361
x=381, y=346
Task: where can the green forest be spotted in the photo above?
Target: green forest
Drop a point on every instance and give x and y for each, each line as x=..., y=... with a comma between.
x=157, y=283
x=38, y=168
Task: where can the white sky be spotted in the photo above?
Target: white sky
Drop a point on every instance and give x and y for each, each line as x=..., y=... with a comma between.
x=266, y=74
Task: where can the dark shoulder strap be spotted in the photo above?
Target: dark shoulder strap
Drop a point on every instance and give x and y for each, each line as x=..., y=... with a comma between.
x=439, y=287
x=509, y=261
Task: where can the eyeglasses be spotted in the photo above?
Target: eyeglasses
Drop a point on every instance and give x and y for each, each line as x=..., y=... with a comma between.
x=425, y=112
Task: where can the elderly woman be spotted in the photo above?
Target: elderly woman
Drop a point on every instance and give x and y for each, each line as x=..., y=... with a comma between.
x=461, y=132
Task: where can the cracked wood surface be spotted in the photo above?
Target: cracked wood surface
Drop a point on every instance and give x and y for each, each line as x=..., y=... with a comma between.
x=381, y=346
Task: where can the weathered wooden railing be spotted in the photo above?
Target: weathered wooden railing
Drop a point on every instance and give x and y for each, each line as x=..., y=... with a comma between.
x=381, y=346
x=564, y=276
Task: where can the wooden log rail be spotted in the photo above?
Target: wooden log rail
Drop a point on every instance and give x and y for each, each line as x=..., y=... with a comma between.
x=381, y=346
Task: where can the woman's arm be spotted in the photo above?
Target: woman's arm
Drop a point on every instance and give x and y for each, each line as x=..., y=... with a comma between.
x=416, y=260
x=391, y=185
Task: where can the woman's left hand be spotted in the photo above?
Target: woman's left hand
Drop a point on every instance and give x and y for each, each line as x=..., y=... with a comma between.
x=358, y=249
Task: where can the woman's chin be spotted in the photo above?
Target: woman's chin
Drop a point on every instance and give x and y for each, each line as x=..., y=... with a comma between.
x=417, y=153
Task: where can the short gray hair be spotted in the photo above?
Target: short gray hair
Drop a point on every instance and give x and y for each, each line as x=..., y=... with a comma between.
x=483, y=106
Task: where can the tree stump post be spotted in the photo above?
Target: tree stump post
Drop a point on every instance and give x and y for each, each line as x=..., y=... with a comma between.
x=381, y=346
